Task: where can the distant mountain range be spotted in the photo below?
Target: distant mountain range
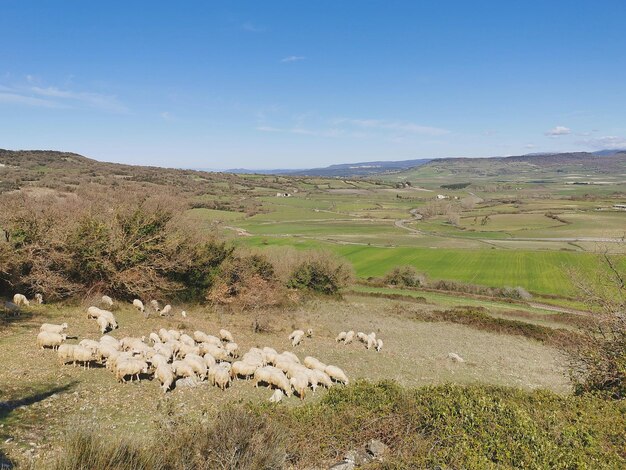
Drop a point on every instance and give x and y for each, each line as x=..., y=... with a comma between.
x=360, y=169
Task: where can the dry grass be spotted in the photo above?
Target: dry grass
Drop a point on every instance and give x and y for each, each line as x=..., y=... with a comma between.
x=415, y=353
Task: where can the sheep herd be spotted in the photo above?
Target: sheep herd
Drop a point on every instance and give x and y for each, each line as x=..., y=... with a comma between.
x=172, y=355
x=370, y=340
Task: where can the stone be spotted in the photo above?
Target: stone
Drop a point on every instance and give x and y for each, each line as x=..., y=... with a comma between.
x=376, y=448
x=343, y=466
x=187, y=382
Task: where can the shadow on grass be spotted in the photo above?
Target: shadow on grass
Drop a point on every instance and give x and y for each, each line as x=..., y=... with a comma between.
x=5, y=462
x=7, y=407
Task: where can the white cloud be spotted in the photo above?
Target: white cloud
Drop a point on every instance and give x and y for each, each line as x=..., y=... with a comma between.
x=52, y=97
x=16, y=98
x=302, y=131
x=558, y=130
x=530, y=146
x=609, y=142
x=293, y=58
x=252, y=28
x=165, y=116
x=401, y=126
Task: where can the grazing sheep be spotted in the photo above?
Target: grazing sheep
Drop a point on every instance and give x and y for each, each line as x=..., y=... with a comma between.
x=222, y=378
x=313, y=363
x=309, y=333
x=296, y=340
x=227, y=336
x=132, y=367
x=182, y=369
x=158, y=360
x=155, y=305
x=322, y=378
x=232, y=349
x=185, y=349
x=38, y=299
x=362, y=337
x=166, y=310
x=291, y=356
x=187, y=340
x=277, y=396
x=83, y=355
x=175, y=334
x=110, y=340
x=341, y=337
x=349, y=337
x=20, y=299
x=90, y=344
x=336, y=374
x=197, y=364
x=213, y=369
x=106, y=300
x=138, y=304
x=370, y=342
x=52, y=328
x=165, y=335
x=107, y=350
x=300, y=383
x=164, y=350
x=244, y=369
x=209, y=360
x=201, y=337
x=379, y=345
x=154, y=338
x=46, y=339
x=164, y=374
x=296, y=333
x=217, y=352
x=253, y=359
x=104, y=324
x=66, y=353
x=129, y=342
x=273, y=377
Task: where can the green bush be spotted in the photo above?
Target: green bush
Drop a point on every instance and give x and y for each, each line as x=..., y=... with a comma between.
x=322, y=274
x=405, y=276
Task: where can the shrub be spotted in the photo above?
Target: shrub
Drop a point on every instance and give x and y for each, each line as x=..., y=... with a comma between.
x=322, y=273
x=405, y=276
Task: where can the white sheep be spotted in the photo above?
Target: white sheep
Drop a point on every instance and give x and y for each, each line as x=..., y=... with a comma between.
x=106, y=300
x=232, y=349
x=300, y=383
x=379, y=344
x=253, y=358
x=322, y=378
x=166, y=310
x=215, y=367
x=244, y=369
x=362, y=337
x=291, y=355
x=341, y=337
x=165, y=335
x=182, y=369
x=154, y=338
x=155, y=305
x=107, y=350
x=52, y=328
x=209, y=360
x=66, y=353
x=110, y=340
x=197, y=364
x=349, y=337
x=222, y=378
x=164, y=375
x=217, y=352
x=184, y=338
x=313, y=363
x=336, y=374
x=38, y=299
x=183, y=314
x=175, y=334
x=158, y=360
x=277, y=396
x=226, y=335
x=132, y=367
x=371, y=342
x=46, y=339
x=296, y=340
x=104, y=324
x=90, y=344
x=164, y=350
x=84, y=355
x=129, y=342
x=138, y=304
x=309, y=333
x=185, y=349
x=273, y=376
x=20, y=299
x=296, y=333
x=201, y=337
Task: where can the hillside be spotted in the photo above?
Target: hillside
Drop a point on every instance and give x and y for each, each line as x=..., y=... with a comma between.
x=540, y=167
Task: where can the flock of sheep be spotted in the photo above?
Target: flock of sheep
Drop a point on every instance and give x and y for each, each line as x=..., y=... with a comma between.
x=170, y=355
x=370, y=340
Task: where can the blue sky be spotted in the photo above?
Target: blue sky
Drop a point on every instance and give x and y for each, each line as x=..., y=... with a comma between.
x=292, y=84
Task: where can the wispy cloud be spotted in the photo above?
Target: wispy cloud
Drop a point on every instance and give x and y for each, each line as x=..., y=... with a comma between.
x=253, y=28
x=302, y=131
x=558, y=131
x=398, y=126
x=165, y=116
x=53, y=97
x=610, y=142
x=292, y=58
